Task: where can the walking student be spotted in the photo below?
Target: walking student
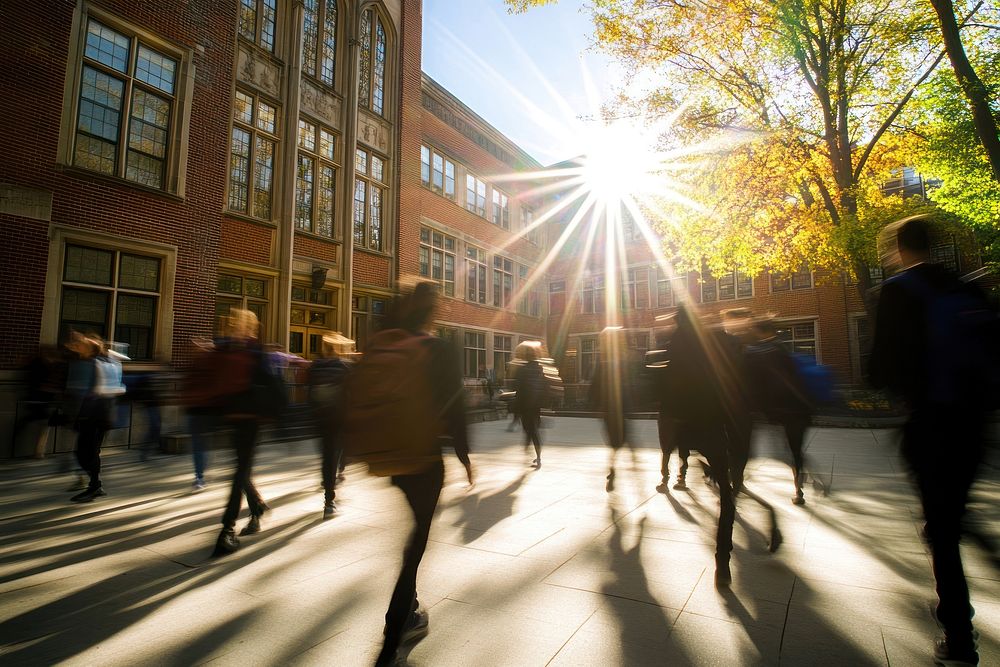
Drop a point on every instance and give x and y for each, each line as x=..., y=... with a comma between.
x=326, y=393
x=935, y=346
x=531, y=390
x=404, y=402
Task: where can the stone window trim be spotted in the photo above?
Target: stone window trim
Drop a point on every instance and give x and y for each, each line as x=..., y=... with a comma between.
x=175, y=170
x=376, y=15
x=61, y=235
x=319, y=160
x=275, y=137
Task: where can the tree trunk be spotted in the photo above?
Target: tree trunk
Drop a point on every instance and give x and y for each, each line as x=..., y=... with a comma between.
x=973, y=88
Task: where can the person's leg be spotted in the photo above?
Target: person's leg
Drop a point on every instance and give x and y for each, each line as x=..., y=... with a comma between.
x=666, y=445
x=795, y=431
x=683, y=439
x=244, y=461
x=714, y=449
x=530, y=421
x=199, y=425
x=248, y=437
x=422, y=492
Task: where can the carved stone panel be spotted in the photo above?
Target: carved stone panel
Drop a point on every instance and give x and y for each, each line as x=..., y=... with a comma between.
x=320, y=104
x=374, y=132
x=259, y=72
x=25, y=202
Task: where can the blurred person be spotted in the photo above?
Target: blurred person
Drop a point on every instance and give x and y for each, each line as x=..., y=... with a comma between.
x=145, y=391
x=245, y=391
x=404, y=401
x=326, y=393
x=42, y=389
x=202, y=395
x=659, y=375
x=512, y=369
x=935, y=346
x=780, y=394
x=531, y=387
x=611, y=394
x=94, y=380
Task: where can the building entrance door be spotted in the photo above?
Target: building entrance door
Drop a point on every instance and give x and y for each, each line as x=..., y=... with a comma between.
x=306, y=341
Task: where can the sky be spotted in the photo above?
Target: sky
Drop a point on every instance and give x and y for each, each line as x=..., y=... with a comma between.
x=529, y=75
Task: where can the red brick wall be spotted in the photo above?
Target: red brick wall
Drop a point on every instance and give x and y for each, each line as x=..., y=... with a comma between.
x=314, y=248
x=35, y=54
x=370, y=269
x=245, y=241
x=409, y=204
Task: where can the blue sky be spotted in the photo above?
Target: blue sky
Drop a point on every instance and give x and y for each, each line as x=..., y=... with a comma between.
x=502, y=65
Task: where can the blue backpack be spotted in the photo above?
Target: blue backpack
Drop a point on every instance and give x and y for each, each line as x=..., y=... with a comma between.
x=817, y=379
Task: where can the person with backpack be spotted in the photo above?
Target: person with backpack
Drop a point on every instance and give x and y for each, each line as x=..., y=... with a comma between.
x=326, y=397
x=531, y=387
x=403, y=403
x=780, y=394
x=935, y=347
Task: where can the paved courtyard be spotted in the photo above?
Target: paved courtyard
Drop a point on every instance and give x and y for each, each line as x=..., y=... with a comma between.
x=528, y=568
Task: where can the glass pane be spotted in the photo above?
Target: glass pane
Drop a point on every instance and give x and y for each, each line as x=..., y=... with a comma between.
x=107, y=46
x=100, y=104
x=325, y=202
x=267, y=25
x=807, y=330
x=255, y=287
x=328, y=64
x=150, y=120
x=144, y=169
x=263, y=177
x=317, y=317
x=360, y=194
x=155, y=69
x=425, y=235
x=243, y=108
x=95, y=154
x=361, y=161
x=257, y=309
x=88, y=265
x=327, y=144
x=307, y=135
x=267, y=117
x=230, y=284
x=425, y=164
x=298, y=293
x=425, y=259
x=139, y=273
x=135, y=310
x=378, y=76
x=295, y=339
x=310, y=33
x=248, y=19
x=84, y=310
x=304, y=193
x=365, y=72
x=314, y=343
x=375, y=219
x=378, y=166
x=298, y=316
x=239, y=170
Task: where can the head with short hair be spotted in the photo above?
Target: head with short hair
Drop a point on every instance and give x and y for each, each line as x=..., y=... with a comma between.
x=905, y=242
x=242, y=324
x=414, y=310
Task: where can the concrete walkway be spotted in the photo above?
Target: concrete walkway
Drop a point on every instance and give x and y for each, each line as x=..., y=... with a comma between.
x=529, y=568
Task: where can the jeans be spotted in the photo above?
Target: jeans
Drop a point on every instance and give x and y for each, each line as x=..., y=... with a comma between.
x=421, y=491
x=201, y=426
x=90, y=437
x=245, y=439
x=332, y=453
x=530, y=420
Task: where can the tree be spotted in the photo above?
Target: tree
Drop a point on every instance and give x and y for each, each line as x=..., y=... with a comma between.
x=972, y=86
x=815, y=94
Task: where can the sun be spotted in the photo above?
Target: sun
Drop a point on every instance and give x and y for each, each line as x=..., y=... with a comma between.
x=619, y=162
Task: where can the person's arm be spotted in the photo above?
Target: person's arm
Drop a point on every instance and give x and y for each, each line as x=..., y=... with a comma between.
x=884, y=364
x=449, y=394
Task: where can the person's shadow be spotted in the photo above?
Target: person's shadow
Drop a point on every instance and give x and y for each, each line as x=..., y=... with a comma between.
x=481, y=512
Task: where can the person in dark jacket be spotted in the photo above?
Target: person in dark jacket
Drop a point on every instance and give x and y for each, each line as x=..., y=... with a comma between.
x=530, y=386
x=918, y=352
x=405, y=622
x=658, y=373
x=326, y=379
x=780, y=394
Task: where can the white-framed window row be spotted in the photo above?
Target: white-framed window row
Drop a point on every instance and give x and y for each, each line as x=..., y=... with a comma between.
x=800, y=280
x=437, y=172
x=728, y=287
x=118, y=289
x=475, y=195
x=669, y=289
x=800, y=336
x=129, y=106
x=437, y=259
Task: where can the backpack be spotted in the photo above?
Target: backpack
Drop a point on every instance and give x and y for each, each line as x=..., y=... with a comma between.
x=816, y=379
x=962, y=350
x=389, y=420
x=532, y=387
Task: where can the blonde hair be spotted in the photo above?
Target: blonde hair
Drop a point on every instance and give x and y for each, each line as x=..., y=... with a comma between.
x=241, y=323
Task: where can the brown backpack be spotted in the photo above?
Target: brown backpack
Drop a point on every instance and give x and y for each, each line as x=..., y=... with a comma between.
x=390, y=420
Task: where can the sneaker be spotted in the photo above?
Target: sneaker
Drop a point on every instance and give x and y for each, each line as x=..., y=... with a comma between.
x=416, y=629
x=227, y=543
x=776, y=540
x=252, y=527
x=329, y=509
x=80, y=483
x=798, y=499
x=198, y=485
x=87, y=495
x=944, y=655
x=610, y=486
x=663, y=487
x=537, y=463
x=680, y=485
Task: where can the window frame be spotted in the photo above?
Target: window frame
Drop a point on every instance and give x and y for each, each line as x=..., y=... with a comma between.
x=479, y=352
x=663, y=278
x=790, y=342
x=786, y=282
x=256, y=135
x=503, y=282
x=318, y=70
x=176, y=151
x=372, y=184
x=717, y=286
x=503, y=352
x=446, y=162
x=319, y=161
x=501, y=209
x=259, y=305
x=593, y=353
x=476, y=275
x=473, y=205
x=432, y=249
x=368, y=63
x=595, y=287
x=257, y=39
x=631, y=288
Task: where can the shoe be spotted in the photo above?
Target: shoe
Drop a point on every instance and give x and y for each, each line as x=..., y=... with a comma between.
x=798, y=499
x=723, y=575
x=776, y=540
x=329, y=509
x=87, y=495
x=394, y=660
x=341, y=477
x=944, y=655
x=663, y=487
x=198, y=485
x=80, y=483
x=252, y=527
x=537, y=463
x=680, y=485
x=226, y=544
x=610, y=486
x=416, y=629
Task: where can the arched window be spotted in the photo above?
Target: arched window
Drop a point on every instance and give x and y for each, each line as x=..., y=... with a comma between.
x=371, y=87
x=319, y=40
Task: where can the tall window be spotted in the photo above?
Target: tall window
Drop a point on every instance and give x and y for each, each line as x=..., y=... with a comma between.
x=475, y=195
x=113, y=294
x=257, y=20
x=801, y=279
x=527, y=219
x=369, y=195
x=798, y=337
x=588, y=358
x=437, y=259
x=315, y=179
x=501, y=209
x=475, y=354
x=371, y=87
x=475, y=272
x=502, y=348
x=127, y=95
x=592, y=295
x=669, y=290
x=319, y=40
x=367, y=317
x=733, y=285
x=252, y=156
x=503, y=281
x=437, y=172
x=557, y=297
x=636, y=288
x=235, y=291
x=530, y=302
